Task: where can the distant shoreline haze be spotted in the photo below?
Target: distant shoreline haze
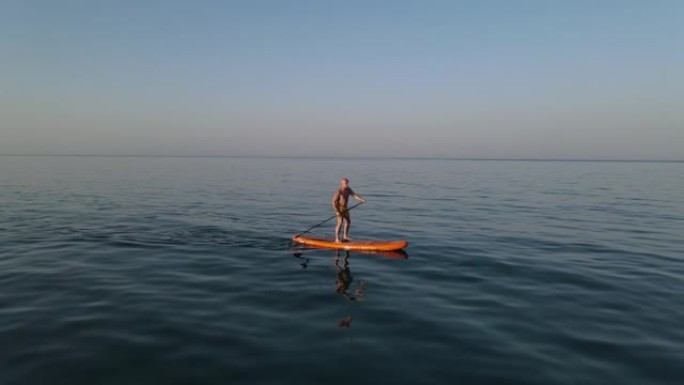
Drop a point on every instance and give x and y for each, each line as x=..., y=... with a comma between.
x=352, y=157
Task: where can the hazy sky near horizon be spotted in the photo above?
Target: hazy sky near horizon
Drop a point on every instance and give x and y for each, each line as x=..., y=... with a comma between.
x=503, y=79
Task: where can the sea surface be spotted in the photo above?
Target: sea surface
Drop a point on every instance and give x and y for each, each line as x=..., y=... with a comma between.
x=154, y=270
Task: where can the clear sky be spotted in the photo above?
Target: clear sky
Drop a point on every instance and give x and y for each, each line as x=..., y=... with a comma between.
x=503, y=79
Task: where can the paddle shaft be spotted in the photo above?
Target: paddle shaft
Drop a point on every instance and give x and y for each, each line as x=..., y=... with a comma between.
x=314, y=226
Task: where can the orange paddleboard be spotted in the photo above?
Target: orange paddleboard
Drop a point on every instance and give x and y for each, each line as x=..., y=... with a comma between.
x=349, y=245
x=392, y=254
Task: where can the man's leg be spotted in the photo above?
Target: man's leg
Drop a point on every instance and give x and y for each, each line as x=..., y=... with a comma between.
x=337, y=228
x=347, y=222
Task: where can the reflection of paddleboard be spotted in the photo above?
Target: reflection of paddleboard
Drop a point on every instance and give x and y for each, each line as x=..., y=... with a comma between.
x=393, y=254
x=350, y=245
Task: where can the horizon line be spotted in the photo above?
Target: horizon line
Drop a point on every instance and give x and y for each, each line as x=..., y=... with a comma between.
x=356, y=157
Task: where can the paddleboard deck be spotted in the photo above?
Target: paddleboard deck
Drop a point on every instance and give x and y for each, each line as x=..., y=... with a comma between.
x=369, y=245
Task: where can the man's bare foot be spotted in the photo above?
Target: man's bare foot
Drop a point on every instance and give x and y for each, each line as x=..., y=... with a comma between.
x=346, y=239
x=337, y=240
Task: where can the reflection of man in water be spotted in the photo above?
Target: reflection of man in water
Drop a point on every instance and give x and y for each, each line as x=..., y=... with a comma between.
x=344, y=277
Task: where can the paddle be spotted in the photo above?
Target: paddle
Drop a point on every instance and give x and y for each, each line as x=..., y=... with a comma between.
x=314, y=226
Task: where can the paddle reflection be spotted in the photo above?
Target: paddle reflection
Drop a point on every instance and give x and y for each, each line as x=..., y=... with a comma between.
x=304, y=264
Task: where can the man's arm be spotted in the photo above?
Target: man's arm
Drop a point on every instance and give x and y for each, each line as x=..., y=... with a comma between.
x=335, y=201
x=358, y=197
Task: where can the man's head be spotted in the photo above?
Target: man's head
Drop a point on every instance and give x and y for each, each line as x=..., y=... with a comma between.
x=344, y=182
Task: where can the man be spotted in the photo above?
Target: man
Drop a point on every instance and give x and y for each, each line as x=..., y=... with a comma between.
x=339, y=202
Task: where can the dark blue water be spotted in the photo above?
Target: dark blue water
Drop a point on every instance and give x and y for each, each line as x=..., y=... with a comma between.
x=118, y=270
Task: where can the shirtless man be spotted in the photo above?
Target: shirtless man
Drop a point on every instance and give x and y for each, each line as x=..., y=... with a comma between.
x=339, y=202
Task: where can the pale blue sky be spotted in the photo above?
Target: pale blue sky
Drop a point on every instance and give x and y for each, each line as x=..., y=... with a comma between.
x=503, y=79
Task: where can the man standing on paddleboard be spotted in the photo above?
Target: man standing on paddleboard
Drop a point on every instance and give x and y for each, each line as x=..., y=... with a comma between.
x=339, y=202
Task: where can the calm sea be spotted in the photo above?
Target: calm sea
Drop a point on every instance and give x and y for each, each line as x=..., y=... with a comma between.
x=125, y=270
